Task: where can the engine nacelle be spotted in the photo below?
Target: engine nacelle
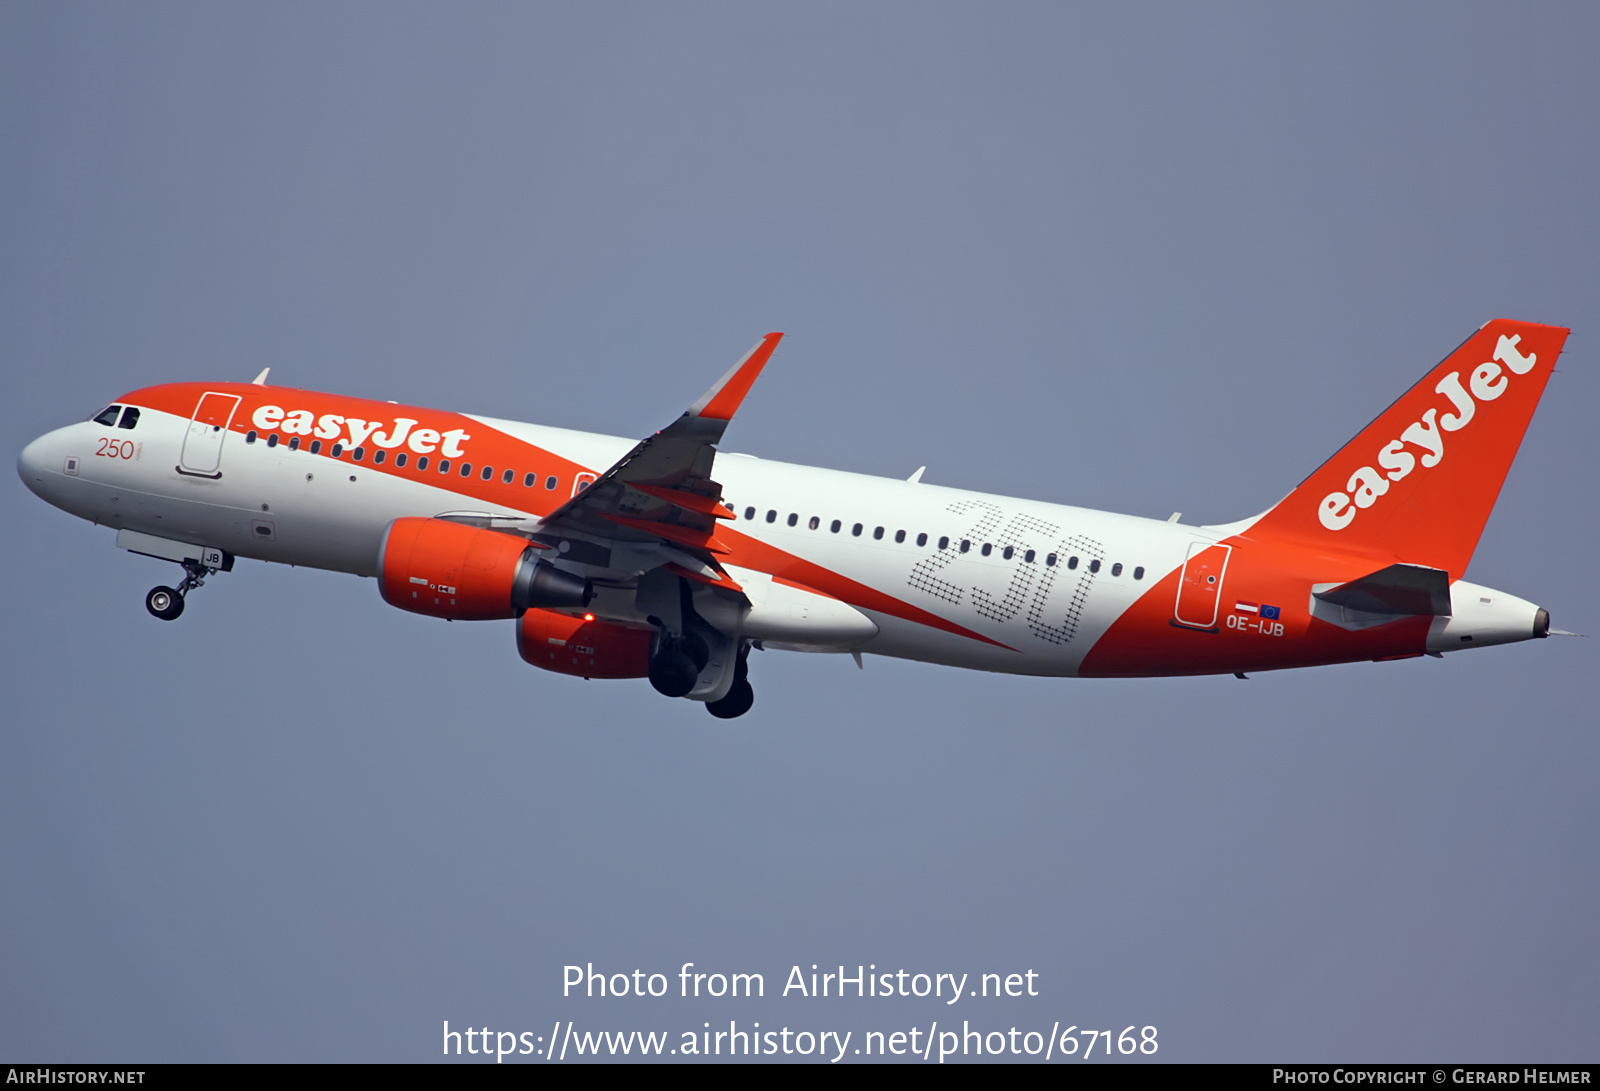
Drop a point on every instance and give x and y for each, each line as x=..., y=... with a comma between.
x=448, y=570
x=587, y=648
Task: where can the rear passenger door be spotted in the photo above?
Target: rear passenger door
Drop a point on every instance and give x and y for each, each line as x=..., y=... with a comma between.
x=1200, y=588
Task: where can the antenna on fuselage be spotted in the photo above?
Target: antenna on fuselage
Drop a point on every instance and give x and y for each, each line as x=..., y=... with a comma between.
x=916, y=478
x=261, y=380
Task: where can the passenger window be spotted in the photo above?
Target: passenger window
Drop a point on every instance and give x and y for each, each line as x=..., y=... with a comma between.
x=749, y=513
x=488, y=472
x=551, y=482
x=1008, y=552
x=378, y=456
x=855, y=531
x=834, y=526
x=1116, y=569
x=108, y=415
x=877, y=533
x=1094, y=565
x=944, y=541
x=793, y=519
x=130, y=418
x=922, y=539
x=772, y=515
x=508, y=477
x=294, y=445
x=987, y=549
x=1028, y=556
x=528, y=479
x=358, y=454
x=400, y=461
x=272, y=440
x=466, y=469
x=1072, y=562
x=422, y=463
x=1050, y=560
x=1138, y=573
x=444, y=465
x=899, y=536
x=965, y=545
x=250, y=436
x=815, y=522
x=316, y=446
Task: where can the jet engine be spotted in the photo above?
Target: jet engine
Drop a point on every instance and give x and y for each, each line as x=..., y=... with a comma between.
x=584, y=646
x=448, y=570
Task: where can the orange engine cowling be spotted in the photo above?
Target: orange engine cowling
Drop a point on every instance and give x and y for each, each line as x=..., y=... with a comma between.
x=445, y=569
x=584, y=646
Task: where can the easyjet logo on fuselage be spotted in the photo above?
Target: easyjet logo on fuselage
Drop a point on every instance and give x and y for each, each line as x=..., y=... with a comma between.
x=1488, y=381
x=356, y=432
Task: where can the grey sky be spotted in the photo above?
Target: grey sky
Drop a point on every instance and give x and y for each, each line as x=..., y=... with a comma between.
x=1147, y=258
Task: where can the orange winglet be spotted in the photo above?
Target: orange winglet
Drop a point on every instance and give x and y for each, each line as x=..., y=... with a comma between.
x=689, y=501
x=722, y=400
x=670, y=531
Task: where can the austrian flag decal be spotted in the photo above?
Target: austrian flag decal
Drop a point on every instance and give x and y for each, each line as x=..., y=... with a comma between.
x=1256, y=609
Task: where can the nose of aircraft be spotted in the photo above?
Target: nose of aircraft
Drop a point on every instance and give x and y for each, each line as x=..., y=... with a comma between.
x=33, y=465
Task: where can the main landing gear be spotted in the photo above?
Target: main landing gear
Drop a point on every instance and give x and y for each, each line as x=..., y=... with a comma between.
x=677, y=664
x=740, y=697
x=166, y=603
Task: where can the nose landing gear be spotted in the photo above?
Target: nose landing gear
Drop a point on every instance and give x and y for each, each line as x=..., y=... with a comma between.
x=166, y=603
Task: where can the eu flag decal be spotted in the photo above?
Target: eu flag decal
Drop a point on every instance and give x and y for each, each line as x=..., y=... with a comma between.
x=1269, y=611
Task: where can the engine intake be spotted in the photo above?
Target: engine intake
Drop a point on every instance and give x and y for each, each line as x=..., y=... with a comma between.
x=445, y=569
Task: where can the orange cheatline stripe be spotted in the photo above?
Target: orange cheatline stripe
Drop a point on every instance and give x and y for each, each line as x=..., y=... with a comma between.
x=752, y=553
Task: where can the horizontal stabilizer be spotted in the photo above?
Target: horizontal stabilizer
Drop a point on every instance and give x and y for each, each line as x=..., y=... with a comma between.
x=1398, y=589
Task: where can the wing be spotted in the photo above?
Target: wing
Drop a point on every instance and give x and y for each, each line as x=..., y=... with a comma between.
x=661, y=493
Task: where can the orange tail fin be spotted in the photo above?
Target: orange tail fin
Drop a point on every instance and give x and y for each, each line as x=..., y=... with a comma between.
x=1418, y=483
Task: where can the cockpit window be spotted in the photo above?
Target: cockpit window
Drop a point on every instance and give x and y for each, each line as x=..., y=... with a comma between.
x=108, y=416
x=130, y=418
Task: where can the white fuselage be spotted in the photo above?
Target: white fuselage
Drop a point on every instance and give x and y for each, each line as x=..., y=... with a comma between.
x=293, y=507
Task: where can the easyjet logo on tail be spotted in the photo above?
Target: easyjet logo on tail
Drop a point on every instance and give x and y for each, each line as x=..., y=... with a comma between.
x=1487, y=382
x=401, y=430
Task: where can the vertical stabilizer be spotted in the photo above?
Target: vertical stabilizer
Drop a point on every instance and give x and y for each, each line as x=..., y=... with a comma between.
x=1418, y=483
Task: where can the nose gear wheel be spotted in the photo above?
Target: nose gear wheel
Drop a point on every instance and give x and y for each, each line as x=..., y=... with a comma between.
x=166, y=603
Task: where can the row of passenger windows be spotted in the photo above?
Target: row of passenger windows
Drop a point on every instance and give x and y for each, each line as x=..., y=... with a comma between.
x=529, y=480
x=1029, y=556
x=108, y=417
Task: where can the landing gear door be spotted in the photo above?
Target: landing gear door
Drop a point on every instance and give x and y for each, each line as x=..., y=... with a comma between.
x=202, y=444
x=1200, y=588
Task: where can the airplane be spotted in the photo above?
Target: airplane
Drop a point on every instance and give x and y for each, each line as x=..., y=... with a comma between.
x=670, y=559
